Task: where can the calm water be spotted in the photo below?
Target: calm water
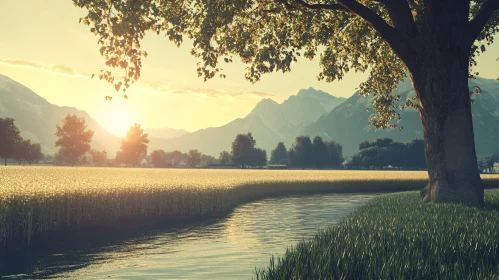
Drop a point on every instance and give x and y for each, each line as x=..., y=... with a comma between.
x=227, y=248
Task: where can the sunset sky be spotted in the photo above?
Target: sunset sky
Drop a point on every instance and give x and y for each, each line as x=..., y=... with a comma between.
x=46, y=49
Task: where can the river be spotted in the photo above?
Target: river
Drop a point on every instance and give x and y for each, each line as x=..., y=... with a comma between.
x=226, y=248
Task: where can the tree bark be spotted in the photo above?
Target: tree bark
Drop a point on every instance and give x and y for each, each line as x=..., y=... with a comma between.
x=440, y=79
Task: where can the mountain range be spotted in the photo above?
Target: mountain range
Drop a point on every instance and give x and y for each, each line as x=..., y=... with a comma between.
x=347, y=123
x=310, y=112
x=269, y=123
x=36, y=118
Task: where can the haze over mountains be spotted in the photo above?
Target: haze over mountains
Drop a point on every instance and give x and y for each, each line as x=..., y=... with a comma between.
x=165, y=132
x=37, y=118
x=347, y=123
x=269, y=122
x=309, y=112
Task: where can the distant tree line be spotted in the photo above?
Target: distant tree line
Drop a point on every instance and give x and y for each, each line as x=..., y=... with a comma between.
x=193, y=158
x=13, y=146
x=486, y=164
x=305, y=153
x=385, y=152
x=74, y=148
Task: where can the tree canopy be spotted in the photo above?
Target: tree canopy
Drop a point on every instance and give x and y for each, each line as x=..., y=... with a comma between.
x=10, y=138
x=244, y=152
x=193, y=158
x=381, y=37
x=133, y=148
x=224, y=157
x=279, y=155
x=73, y=138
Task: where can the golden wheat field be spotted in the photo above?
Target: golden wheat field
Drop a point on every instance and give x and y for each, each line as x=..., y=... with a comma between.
x=36, y=199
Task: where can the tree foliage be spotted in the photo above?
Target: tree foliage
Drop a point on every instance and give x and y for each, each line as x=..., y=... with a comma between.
x=487, y=163
x=244, y=152
x=385, y=152
x=317, y=154
x=27, y=152
x=98, y=158
x=224, y=157
x=10, y=138
x=73, y=138
x=279, y=155
x=320, y=152
x=381, y=37
x=133, y=148
x=158, y=158
x=193, y=158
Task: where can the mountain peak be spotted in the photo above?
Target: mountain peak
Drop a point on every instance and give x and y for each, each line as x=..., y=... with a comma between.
x=314, y=92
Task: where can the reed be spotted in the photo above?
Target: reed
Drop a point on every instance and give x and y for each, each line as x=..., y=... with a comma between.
x=37, y=200
x=395, y=236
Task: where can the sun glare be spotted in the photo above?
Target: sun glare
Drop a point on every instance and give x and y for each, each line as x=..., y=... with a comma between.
x=118, y=120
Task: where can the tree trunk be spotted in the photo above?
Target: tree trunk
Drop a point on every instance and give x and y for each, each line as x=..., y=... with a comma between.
x=439, y=73
x=441, y=85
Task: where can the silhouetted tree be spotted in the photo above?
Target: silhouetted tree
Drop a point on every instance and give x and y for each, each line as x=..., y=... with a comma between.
x=207, y=159
x=99, y=158
x=415, y=153
x=488, y=163
x=134, y=147
x=303, y=149
x=9, y=138
x=242, y=149
x=292, y=157
x=385, y=152
x=258, y=158
x=335, y=154
x=174, y=158
x=193, y=158
x=28, y=152
x=279, y=155
x=319, y=152
x=158, y=158
x=73, y=138
x=224, y=157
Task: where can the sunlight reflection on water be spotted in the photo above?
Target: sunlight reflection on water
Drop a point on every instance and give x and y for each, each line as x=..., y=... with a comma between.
x=228, y=248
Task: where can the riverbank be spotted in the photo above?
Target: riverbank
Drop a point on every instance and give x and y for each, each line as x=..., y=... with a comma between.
x=395, y=236
x=40, y=200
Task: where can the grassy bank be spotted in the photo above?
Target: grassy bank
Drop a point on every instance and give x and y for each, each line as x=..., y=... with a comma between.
x=395, y=236
x=36, y=200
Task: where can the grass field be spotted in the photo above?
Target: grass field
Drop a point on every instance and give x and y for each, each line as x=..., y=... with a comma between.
x=35, y=200
x=395, y=236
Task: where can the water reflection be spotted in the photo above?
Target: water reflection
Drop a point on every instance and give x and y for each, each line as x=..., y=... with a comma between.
x=226, y=248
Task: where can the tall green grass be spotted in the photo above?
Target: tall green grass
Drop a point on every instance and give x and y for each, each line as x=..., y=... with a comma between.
x=396, y=236
x=36, y=200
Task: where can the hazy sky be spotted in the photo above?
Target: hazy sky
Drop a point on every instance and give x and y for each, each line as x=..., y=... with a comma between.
x=46, y=49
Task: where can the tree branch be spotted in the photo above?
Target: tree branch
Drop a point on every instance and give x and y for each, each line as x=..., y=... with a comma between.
x=476, y=25
x=397, y=40
x=392, y=36
x=401, y=16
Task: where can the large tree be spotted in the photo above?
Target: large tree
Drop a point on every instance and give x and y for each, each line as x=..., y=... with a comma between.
x=73, y=138
x=435, y=41
x=10, y=138
x=133, y=147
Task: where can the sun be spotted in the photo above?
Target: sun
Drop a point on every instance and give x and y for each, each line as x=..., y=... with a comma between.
x=118, y=120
